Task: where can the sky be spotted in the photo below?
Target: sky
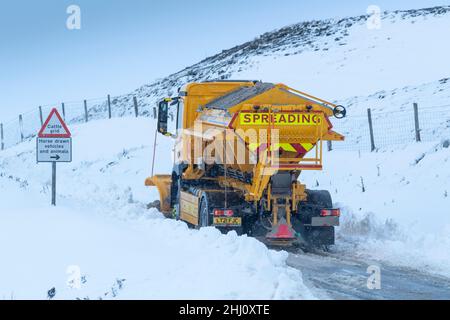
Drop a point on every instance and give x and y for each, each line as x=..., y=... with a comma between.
x=123, y=44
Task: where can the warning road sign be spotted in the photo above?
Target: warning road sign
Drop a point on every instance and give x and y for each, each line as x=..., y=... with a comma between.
x=54, y=150
x=54, y=144
x=54, y=127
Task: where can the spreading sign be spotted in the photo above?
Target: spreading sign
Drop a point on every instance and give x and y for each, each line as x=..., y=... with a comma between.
x=280, y=119
x=54, y=142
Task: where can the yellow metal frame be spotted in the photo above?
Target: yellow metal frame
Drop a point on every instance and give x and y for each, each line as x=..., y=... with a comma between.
x=162, y=183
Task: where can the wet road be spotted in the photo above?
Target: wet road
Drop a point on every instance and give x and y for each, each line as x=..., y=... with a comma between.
x=332, y=276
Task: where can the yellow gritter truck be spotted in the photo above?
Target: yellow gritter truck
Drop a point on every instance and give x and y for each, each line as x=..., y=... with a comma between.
x=240, y=147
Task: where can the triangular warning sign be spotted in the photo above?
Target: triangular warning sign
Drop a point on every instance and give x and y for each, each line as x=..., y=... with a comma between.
x=54, y=127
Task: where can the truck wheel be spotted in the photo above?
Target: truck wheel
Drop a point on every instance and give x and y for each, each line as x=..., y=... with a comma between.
x=204, y=213
x=320, y=198
x=175, y=190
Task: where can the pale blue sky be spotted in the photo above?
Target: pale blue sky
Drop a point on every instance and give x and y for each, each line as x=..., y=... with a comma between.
x=126, y=43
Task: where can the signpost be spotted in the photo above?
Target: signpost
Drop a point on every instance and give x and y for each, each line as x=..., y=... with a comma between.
x=54, y=144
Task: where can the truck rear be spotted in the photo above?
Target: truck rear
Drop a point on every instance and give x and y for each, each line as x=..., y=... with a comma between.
x=240, y=149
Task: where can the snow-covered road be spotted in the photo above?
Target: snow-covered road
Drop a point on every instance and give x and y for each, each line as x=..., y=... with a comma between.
x=343, y=276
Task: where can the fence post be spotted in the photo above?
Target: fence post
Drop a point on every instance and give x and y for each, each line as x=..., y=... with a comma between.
x=63, y=111
x=109, y=106
x=86, y=116
x=372, y=140
x=135, y=107
x=155, y=113
x=1, y=136
x=330, y=145
x=416, y=122
x=21, y=127
x=40, y=116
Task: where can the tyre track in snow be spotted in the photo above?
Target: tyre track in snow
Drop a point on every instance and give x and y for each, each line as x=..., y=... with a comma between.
x=337, y=276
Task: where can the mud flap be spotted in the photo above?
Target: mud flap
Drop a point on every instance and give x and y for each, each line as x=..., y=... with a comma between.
x=319, y=236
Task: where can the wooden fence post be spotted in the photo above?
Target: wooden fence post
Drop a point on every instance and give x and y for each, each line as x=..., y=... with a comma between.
x=416, y=122
x=21, y=127
x=372, y=139
x=63, y=111
x=135, y=107
x=40, y=116
x=109, y=106
x=86, y=116
x=2, y=137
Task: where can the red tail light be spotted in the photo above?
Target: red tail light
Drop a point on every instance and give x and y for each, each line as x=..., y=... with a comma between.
x=330, y=213
x=227, y=212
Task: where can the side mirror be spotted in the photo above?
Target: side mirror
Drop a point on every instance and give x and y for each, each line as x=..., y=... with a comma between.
x=339, y=112
x=163, y=113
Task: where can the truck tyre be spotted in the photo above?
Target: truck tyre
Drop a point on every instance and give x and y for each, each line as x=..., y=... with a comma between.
x=204, y=212
x=175, y=189
x=320, y=197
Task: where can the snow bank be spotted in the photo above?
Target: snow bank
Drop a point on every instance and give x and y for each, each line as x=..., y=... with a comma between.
x=102, y=228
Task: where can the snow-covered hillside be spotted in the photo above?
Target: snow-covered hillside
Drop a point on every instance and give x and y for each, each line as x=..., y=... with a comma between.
x=333, y=59
x=343, y=61
x=339, y=60
x=393, y=117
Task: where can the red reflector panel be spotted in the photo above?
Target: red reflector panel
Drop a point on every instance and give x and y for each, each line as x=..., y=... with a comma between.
x=284, y=232
x=330, y=213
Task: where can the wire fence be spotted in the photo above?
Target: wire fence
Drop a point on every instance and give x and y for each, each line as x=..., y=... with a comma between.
x=27, y=125
x=390, y=129
x=374, y=131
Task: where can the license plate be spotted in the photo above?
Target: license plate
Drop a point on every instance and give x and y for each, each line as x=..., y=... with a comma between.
x=228, y=221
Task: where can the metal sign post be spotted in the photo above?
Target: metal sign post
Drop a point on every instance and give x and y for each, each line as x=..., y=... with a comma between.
x=54, y=144
x=53, y=183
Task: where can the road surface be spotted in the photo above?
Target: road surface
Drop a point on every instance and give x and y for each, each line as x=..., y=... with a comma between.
x=333, y=276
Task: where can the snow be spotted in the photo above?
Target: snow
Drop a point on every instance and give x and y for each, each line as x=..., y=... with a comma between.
x=363, y=62
x=101, y=226
x=403, y=215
